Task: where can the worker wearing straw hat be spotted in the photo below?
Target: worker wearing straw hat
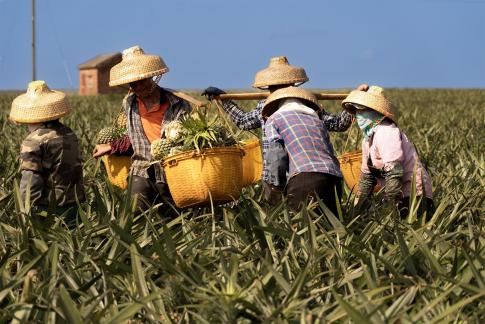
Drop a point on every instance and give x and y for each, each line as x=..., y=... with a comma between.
x=149, y=108
x=300, y=159
x=388, y=156
x=50, y=156
x=278, y=75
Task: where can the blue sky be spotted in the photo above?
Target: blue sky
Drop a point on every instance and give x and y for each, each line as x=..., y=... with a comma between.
x=414, y=43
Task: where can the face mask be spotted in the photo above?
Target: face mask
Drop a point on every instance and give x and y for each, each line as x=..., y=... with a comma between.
x=367, y=120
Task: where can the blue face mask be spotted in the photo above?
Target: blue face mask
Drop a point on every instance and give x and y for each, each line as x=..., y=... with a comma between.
x=367, y=120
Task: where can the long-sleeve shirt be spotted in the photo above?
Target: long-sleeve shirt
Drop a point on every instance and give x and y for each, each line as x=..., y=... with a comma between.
x=300, y=141
x=140, y=144
x=254, y=119
x=389, y=147
x=51, y=162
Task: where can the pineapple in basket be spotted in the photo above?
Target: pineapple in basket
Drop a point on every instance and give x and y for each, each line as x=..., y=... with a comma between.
x=163, y=147
x=160, y=148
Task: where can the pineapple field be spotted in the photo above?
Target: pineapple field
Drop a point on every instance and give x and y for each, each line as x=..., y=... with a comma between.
x=247, y=262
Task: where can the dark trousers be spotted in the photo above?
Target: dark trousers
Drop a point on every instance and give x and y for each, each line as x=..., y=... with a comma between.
x=425, y=206
x=311, y=184
x=149, y=192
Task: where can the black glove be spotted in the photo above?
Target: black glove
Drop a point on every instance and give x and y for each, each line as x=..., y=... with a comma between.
x=211, y=92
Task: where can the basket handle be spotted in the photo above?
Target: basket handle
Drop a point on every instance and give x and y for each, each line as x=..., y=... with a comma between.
x=222, y=113
x=220, y=110
x=172, y=163
x=348, y=136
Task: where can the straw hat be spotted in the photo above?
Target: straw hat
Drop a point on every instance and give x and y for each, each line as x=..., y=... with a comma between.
x=272, y=102
x=135, y=65
x=39, y=104
x=374, y=98
x=279, y=72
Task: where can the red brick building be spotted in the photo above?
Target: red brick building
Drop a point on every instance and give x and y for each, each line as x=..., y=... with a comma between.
x=94, y=74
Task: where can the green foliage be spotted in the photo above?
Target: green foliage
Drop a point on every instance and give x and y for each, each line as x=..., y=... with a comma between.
x=200, y=130
x=247, y=262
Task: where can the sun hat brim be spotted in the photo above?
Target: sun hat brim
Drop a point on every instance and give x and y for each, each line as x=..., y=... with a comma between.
x=279, y=72
x=28, y=108
x=271, y=105
x=370, y=100
x=136, y=68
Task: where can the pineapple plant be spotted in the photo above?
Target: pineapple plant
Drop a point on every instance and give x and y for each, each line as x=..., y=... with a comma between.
x=109, y=134
x=199, y=132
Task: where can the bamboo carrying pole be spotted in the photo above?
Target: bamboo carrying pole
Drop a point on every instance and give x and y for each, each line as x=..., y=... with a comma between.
x=264, y=95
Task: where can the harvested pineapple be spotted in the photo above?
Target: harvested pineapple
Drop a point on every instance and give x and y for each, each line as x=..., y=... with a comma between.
x=160, y=148
x=109, y=134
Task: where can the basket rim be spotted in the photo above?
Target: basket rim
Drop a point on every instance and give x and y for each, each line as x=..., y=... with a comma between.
x=251, y=144
x=204, y=152
x=348, y=154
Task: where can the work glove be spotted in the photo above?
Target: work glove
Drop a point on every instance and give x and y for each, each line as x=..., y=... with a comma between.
x=393, y=186
x=212, y=92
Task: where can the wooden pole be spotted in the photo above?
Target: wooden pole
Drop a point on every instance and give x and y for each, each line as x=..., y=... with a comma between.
x=33, y=42
x=264, y=95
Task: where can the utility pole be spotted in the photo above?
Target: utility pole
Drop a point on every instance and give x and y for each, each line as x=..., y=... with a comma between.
x=34, y=77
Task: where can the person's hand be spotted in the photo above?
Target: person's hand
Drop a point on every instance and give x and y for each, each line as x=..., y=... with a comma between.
x=363, y=87
x=212, y=92
x=101, y=149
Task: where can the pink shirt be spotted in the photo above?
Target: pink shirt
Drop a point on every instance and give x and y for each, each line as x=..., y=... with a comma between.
x=390, y=146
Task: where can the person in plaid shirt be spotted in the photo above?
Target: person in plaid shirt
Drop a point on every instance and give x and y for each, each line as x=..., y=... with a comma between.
x=148, y=108
x=280, y=74
x=300, y=159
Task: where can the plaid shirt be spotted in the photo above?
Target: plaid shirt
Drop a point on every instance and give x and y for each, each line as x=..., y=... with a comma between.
x=254, y=119
x=141, y=146
x=305, y=140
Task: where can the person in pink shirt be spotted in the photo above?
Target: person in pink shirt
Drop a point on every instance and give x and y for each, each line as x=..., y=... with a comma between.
x=389, y=158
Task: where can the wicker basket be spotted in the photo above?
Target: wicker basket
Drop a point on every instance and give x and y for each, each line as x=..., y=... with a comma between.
x=195, y=178
x=350, y=164
x=252, y=163
x=117, y=169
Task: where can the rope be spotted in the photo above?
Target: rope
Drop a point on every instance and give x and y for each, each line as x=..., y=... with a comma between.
x=221, y=112
x=348, y=136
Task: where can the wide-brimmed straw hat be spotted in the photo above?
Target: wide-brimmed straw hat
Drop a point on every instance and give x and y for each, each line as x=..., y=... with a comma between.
x=272, y=103
x=374, y=98
x=279, y=72
x=135, y=65
x=39, y=104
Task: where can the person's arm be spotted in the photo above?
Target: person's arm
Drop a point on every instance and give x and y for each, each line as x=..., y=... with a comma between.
x=31, y=168
x=342, y=121
x=338, y=123
x=244, y=120
x=35, y=187
x=367, y=181
x=121, y=146
x=276, y=157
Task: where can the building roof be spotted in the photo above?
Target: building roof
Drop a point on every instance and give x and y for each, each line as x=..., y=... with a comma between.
x=101, y=61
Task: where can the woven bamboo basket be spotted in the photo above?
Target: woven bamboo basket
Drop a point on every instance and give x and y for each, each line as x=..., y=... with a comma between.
x=252, y=163
x=350, y=164
x=194, y=179
x=117, y=169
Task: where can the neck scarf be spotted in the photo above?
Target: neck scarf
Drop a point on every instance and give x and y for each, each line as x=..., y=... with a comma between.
x=368, y=120
x=296, y=105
